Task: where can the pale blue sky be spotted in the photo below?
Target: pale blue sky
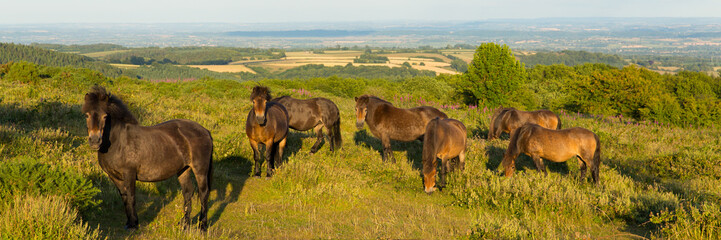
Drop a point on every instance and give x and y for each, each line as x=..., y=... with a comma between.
x=274, y=11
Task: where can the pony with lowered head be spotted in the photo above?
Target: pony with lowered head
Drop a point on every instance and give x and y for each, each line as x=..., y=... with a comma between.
x=316, y=114
x=128, y=152
x=267, y=124
x=444, y=139
x=508, y=119
x=541, y=143
x=388, y=122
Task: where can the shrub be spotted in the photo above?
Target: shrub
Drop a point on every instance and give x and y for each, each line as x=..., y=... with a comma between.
x=42, y=179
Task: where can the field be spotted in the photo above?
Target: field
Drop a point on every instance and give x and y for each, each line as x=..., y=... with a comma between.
x=224, y=68
x=342, y=58
x=656, y=181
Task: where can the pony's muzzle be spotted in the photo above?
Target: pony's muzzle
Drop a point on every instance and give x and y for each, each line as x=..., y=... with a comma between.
x=359, y=125
x=260, y=119
x=95, y=140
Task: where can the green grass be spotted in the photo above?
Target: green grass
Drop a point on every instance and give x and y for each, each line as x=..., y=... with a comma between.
x=655, y=181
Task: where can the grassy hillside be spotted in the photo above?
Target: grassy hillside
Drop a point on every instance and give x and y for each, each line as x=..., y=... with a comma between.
x=656, y=181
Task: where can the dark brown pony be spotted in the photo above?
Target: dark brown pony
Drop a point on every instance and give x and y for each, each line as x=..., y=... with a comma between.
x=128, y=152
x=391, y=123
x=554, y=145
x=267, y=124
x=444, y=139
x=508, y=119
x=314, y=113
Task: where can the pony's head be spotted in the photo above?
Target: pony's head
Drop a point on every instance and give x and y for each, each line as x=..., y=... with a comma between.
x=260, y=97
x=361, y=109
x=96, y=114
x=429, y=182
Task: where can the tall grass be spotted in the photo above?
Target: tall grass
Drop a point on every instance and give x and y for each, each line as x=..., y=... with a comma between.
x=44, y=217
x=656, y=180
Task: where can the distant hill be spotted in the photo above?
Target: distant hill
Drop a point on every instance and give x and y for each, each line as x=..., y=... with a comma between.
x=571, y=58
x=10, y=52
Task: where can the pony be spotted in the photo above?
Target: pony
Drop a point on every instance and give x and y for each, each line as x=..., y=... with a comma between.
x=508, y=119
x=387, y=122
x=128, y=152
x=554, y=145
x=314, y=113
x=444, y=139
x=267, y=124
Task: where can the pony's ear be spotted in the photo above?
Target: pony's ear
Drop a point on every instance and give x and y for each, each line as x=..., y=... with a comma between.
x=356, y=99
x=87, y=96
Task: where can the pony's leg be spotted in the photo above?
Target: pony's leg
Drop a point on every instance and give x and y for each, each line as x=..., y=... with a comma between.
x=582, y=168
x=445, y=165
x=462, y=160
x=387, y=151
x=270, y=149
x=256, y=157
x=126, y=188
x=539, y=164
x=319, y=138
x=203, y=194
x=279, y=154
x=186, y=184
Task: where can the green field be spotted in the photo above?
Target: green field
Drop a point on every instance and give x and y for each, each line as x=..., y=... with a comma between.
x=656, y=181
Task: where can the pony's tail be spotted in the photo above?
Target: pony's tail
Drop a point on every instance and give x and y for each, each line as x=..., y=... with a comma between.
x=335, y=135
x=509, y=158
x=596, y=160
x=559, y=122
x=429, y=153
x=210, y=164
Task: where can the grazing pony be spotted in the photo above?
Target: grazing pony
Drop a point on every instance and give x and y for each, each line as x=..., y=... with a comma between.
x=508, y=119
x=444, y=139
x=314, y=113
x=391, y=123
x=128, y=152
x=554, y=145
x=267, y=124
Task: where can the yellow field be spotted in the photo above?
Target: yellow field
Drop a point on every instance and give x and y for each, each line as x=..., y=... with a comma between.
x=463, y=54
x=102, y=54
x=124, y=66
x=224, y=68
x=342, y=58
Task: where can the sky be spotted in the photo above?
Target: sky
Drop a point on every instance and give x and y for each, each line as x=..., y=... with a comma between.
x=279, y=11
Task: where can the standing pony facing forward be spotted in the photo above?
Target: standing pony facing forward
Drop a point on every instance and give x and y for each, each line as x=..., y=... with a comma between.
x=444, y=139
x=391, y=123
x=267, y=124
x=314, y=113
x=508, y=119
x=128, y=152
x=554, y=145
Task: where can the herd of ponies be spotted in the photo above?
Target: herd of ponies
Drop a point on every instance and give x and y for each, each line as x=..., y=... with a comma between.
x=128, y=152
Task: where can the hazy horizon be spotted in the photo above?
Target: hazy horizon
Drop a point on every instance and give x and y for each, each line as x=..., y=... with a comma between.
x=287, y=11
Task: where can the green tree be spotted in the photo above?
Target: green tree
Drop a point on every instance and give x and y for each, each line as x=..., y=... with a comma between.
x=459, y=65
x=494, y=78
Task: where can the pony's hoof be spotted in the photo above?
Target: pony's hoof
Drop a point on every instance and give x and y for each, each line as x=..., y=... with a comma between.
x=131, y=228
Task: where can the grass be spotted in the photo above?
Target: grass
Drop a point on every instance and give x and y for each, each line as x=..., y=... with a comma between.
x=650, y=177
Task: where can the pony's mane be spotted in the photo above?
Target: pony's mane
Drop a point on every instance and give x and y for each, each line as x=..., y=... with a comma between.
x=260, y=91
x=369, y=97
x=115, y=107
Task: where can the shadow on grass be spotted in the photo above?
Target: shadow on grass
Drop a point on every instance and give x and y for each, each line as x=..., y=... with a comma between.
x=150, y=199
x=414, y=149
x=42, y=115
x=229, y=173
